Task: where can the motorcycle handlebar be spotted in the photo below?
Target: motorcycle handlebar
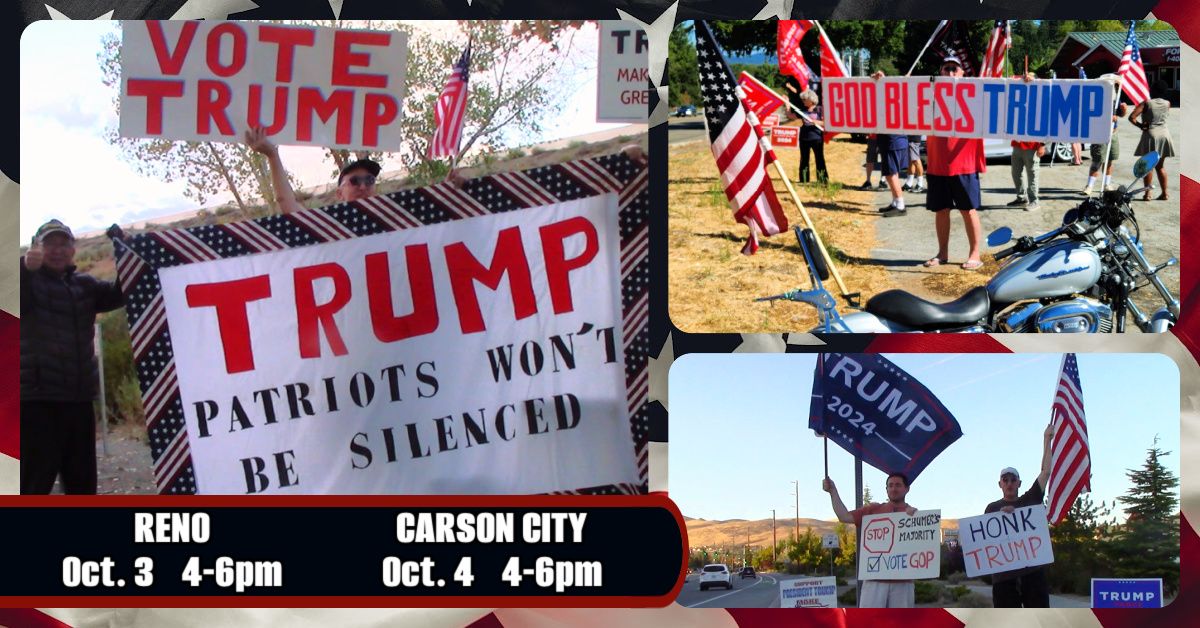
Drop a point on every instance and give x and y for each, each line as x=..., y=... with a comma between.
x=999, y=255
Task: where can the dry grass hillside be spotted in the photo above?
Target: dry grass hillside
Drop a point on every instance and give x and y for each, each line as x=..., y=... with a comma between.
x=94, y=255
x=702, y=532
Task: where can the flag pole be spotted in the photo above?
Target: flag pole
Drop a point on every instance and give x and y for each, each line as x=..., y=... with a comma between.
x=808, y=223
x=922, y=53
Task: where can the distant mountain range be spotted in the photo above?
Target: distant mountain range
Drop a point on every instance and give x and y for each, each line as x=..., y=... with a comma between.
x=703, y=532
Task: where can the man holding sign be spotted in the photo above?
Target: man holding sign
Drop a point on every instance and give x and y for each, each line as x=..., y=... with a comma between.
x=878, y=593
x=1025, y=586
x=356, y=181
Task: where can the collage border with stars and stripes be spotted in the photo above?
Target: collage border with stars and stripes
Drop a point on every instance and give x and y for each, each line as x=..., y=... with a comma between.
x=143, y=254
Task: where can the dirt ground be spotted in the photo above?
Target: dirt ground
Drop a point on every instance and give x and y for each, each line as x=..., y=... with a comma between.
x=127, y=469
x=712, y=286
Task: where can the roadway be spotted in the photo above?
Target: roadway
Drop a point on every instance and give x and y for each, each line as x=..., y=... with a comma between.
x=760, y=592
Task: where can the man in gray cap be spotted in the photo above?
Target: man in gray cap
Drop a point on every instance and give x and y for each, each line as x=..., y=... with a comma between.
x=355, y=181
x=59, y=373
x=1026, y=586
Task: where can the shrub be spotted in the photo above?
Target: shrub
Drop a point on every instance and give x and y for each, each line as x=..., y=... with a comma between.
x=849, y=597
x=927, y=591
x=957, y=592
x=973, y=600
x=956, y=577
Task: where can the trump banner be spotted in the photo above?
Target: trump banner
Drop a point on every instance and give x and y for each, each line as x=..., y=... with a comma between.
x=1067, y=110
x=211, y=80
x=876, y=411
x=623, y=73
x=488, y=339
x=899, y=546
x=808, y=593
x=999, y=541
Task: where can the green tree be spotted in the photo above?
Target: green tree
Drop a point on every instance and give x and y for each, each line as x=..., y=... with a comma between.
x=866, y=494
x=1148, y=545
x=682, y=72
x=1081, y=549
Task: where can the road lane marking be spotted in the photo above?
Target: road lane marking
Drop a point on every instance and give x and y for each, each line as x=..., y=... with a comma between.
x=756, y=582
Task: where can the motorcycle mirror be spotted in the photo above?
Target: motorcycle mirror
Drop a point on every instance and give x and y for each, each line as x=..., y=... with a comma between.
x=1000, y=236
x=1070, y=216
x=1145, y=164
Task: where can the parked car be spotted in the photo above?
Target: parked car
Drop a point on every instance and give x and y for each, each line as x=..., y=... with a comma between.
x=685, y=110
x=994, y=148
x=715, y=575
x=748, y=572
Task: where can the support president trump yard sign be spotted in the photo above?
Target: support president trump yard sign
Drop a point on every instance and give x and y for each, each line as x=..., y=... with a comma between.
x=483, y=340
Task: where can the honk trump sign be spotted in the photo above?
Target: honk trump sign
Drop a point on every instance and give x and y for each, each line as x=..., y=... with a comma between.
x=439, y=340
x=203, y=80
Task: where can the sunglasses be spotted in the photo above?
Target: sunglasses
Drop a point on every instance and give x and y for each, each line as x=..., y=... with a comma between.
x=949, y=68
x=365, y=180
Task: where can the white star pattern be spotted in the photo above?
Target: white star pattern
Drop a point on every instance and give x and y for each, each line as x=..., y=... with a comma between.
x=55, y=14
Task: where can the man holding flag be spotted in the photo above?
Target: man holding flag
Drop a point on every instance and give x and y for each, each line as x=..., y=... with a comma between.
x=875, y=410
x=1026, y=587
x=878, y=593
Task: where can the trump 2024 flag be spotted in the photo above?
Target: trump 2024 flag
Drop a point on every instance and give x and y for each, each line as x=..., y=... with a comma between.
x=876, y=411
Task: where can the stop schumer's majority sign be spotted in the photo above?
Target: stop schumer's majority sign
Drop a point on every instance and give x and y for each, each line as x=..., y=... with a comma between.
x=897, y=546
x=306, y=85
x=1070, y=110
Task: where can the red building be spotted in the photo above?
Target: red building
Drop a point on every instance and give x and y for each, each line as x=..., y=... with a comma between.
x=1100, y=53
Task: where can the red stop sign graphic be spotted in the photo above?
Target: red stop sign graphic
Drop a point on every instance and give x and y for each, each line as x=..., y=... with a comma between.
x=879, y=535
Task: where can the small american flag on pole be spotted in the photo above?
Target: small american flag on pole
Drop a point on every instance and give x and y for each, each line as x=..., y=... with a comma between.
x=738, y=145
x=450, y=109
x=1070, y=458
x=998, y=45
x=1132, y=73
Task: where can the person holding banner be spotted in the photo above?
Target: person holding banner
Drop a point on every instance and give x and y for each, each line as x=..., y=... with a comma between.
x=952, y=167
x=894, y=151
x=356, y=180
x=812, y=137
x=1113, y=148
x=59, y=372
x=1025, y=587
x=878, y=593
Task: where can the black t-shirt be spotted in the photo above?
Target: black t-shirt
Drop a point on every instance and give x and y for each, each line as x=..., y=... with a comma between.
x=1032, y=497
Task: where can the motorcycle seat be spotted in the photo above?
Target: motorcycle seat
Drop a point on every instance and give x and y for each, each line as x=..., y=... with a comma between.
x=913, y=311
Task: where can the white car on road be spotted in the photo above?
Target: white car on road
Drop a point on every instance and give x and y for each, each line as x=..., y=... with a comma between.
x=716, y=575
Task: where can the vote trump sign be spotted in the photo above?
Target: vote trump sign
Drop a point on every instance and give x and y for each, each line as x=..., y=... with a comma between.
x=313, y=86
x=489, y=339
x=1071, y=110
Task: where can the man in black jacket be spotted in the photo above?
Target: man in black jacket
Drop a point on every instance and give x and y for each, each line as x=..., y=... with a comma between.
x=59, y=372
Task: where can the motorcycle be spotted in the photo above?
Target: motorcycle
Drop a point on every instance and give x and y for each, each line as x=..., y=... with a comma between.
x=1077, y=278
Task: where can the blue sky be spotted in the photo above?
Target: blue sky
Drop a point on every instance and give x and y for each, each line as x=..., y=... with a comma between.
x=70, y=172
x=739, y=437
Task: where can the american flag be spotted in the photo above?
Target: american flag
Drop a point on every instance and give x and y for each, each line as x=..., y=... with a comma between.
x=1132, y=73
x=788, y=49
x=450, y=110
x=737, y=143
x=997, y=50
x=1070, y=458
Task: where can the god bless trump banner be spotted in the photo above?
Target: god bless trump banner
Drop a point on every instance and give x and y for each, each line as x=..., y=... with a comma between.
x=489, y=339
x=212, y=80
x=1068, y=110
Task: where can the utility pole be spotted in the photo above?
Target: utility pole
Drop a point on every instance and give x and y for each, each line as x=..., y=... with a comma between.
x=796, y=483
x=774, y=542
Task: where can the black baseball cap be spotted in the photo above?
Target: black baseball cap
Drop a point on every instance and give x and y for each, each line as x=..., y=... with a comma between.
x=370, y=165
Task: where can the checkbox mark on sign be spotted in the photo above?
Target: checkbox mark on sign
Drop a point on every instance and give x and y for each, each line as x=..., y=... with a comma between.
x=872, y=563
